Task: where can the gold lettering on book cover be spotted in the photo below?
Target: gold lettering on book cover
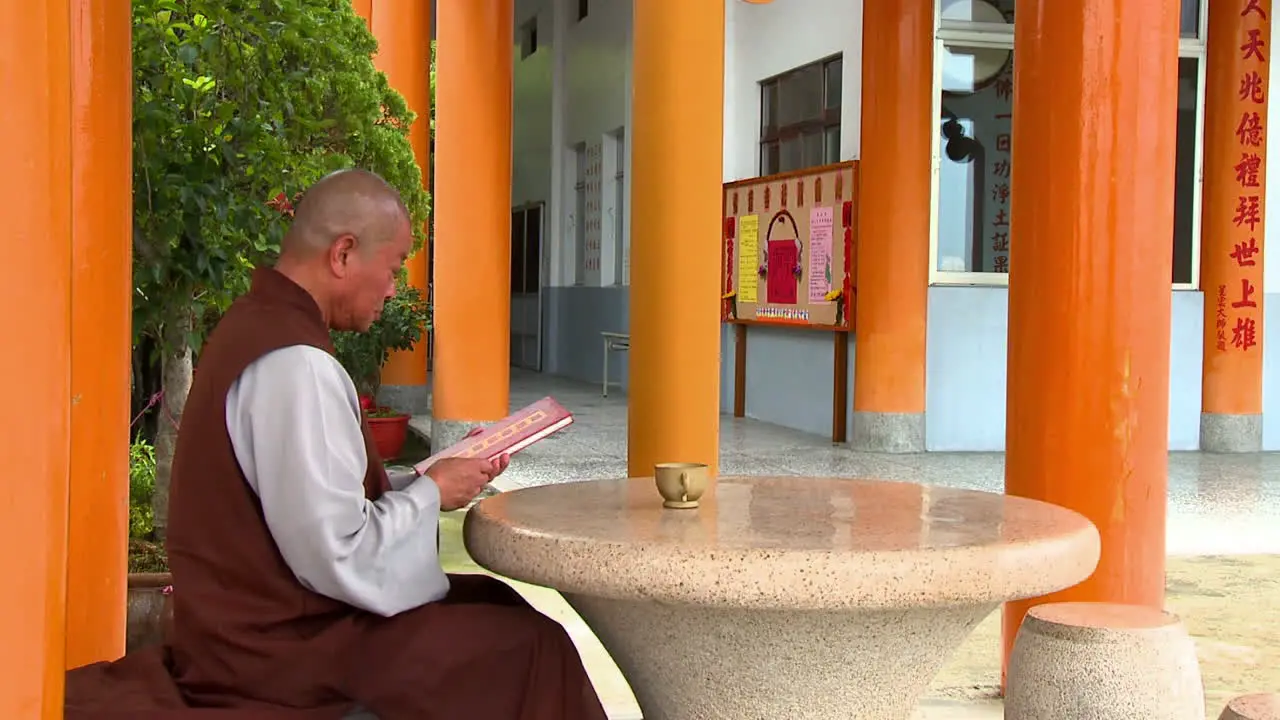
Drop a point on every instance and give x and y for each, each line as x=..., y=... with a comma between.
x=509, y=431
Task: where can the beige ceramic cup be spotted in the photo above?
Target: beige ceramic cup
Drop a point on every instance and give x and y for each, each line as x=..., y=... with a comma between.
x=680, y=484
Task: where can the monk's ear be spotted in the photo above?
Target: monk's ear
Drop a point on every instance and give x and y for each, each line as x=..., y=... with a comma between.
x=341, y=252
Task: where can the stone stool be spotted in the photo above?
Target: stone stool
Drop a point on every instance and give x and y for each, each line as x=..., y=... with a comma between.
x=1259, y=706
x=1101, y=661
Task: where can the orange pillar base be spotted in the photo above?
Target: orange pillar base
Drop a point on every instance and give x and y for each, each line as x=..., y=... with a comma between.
x=893, y=245
x=1089, y=290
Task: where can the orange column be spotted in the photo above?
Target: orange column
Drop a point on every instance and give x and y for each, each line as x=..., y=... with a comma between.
x=364, y=8
x=101, y=304
x=35, y=182
x=893, y=226
x=1089, y=293
x=472, y=214
x=1235, y=154
x=403, y=31
x=677, y=168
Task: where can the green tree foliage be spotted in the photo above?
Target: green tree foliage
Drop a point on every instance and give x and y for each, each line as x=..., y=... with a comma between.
x=142, y=484
x=238, y=103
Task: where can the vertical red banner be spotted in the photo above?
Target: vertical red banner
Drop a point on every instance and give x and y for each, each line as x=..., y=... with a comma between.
x=1239, y=70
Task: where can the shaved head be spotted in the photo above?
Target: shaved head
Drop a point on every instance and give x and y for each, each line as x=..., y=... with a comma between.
x=354, y=203
x=349, y=239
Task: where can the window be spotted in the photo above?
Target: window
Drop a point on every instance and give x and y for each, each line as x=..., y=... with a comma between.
x=584, y=7
x=529, y=37
x=621, y=248
x=974, y=144
x=580, y=215
x=526, y=250
x=800, y=117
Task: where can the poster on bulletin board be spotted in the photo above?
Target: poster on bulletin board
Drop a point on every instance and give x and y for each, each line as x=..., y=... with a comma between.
x=789, y=248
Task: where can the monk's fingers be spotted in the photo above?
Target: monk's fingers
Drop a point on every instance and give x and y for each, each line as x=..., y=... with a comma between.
x=492, y=470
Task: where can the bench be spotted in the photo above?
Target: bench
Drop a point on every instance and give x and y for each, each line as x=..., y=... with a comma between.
x=1103, y=660
x=613, y=342
x=1259, y=706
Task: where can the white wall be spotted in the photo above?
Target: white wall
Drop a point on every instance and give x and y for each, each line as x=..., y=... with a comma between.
x=764, y=40
x=593, y=102
x=574, y=89
x=531, y=130
x=577, y=89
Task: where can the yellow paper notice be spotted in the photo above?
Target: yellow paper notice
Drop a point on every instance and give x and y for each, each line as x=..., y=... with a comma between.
x=748, y=257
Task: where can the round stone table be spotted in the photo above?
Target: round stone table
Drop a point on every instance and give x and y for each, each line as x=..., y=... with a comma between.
x=781, y=597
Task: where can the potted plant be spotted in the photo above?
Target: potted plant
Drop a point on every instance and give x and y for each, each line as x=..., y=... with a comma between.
x=149, y=595
x=405, y=318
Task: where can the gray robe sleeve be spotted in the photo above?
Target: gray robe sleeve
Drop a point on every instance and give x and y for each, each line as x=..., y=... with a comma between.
x=294, y=421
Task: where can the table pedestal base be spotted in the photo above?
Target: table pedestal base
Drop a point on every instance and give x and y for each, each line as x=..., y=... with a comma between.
x=689, y=662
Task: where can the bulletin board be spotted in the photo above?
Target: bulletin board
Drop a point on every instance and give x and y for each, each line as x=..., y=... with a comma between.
x=789, y=249
x=789, y=254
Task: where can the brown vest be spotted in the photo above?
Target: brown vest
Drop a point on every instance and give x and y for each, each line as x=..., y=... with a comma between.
x=244, y=628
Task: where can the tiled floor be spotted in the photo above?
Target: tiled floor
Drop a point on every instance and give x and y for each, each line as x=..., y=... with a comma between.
x=1217, y=504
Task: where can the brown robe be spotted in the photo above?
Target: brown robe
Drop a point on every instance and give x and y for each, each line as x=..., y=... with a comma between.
x=249, y=638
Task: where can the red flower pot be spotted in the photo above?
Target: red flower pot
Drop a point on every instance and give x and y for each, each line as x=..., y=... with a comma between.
x=389, y=434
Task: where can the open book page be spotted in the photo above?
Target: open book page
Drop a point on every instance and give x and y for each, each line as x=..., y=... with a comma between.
x=509, y=435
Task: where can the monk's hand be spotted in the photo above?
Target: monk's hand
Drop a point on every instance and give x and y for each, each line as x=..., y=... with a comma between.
x=461, y=479
x=500, y=464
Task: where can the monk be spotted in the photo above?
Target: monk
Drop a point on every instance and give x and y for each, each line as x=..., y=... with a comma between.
x=305, y=579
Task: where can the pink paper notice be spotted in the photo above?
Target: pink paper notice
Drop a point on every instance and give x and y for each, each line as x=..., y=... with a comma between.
x=821, y=222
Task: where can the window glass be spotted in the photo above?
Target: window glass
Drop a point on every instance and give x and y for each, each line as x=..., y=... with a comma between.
x=977, y=160
x=980, y=11
x=517, y=252
x=770, y=158
x=1190, y=18
x=768, y=106
x=800, y=95
x=1184, y=191
x=800, y=117
x=835, y=72
x=976, y=146
x=832, y=151
x=533, y=250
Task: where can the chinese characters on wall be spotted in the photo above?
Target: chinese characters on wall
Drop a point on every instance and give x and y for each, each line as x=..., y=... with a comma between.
x=999, y=162
x=1238, y=296
x=591, y=259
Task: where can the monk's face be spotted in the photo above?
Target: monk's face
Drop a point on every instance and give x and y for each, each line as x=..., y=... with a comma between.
x=370, y=280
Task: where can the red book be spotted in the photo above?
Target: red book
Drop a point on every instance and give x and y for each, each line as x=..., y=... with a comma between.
x=509, y=435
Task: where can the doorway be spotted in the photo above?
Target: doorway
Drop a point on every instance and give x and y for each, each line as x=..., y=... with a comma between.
x=526, y=287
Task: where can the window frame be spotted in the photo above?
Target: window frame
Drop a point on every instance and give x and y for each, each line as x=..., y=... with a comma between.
x=831, y=116
x=579, y=212
x=623, y=240
x=1001, y=36
x=528, y=37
